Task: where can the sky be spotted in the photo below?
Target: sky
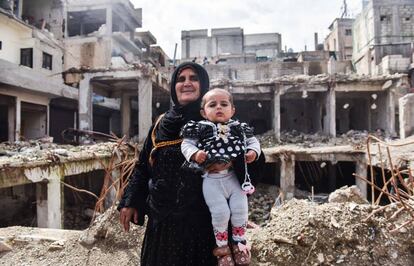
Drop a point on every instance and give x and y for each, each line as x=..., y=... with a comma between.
x=295, y=20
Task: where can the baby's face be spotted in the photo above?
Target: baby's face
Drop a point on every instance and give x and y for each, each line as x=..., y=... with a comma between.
x=218, y=108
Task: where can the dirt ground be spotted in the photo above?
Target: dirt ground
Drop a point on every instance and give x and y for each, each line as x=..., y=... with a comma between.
x=298, y=232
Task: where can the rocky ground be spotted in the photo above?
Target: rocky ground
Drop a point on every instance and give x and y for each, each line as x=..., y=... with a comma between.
x=296, y=232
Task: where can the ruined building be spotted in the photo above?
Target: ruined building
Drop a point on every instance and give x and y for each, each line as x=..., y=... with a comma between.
x=339, y=39
x=80, y=64
x=226, y=45
x=383, y=36
x=69, y=64
x=315, y=94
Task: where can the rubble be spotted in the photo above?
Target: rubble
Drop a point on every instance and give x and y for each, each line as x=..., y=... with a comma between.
x=298, y=232
x=37, y=151
x=329, y=234
x=347, y=194
x=355, y=138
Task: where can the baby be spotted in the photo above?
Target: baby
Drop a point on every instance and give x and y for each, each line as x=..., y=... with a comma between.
x=214, y=144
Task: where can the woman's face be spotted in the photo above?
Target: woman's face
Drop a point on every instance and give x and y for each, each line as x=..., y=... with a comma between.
x=187, y=87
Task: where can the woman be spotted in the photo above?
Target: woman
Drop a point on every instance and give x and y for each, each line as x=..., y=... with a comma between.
x=179, y=230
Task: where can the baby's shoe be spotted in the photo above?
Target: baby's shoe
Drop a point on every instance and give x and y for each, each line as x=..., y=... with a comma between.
x=241, y=254
x=223, y=255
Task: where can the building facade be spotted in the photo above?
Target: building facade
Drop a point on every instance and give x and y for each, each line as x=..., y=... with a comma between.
x=339, y=39
x=228, y=45
x=383, y=37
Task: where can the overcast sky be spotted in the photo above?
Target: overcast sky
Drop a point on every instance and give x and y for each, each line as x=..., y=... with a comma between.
x=296, y=20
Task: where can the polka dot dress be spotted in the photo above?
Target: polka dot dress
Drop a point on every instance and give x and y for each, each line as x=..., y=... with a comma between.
x=222, y=142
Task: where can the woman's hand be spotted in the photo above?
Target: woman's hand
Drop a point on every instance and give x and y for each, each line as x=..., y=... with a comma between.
x=126, y=215
x=250, y=156
x=216, y=167
x=199, y=157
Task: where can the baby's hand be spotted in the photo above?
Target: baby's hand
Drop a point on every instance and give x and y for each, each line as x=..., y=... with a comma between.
x=250, y=156
x=199, y=157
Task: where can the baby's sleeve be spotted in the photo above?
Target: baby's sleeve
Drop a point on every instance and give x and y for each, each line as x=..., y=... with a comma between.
x=191, y=130
x=190, y=134
x=252, y=143
x=247, y=130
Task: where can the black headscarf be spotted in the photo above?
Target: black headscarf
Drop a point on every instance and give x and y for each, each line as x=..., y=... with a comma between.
x=178, y=115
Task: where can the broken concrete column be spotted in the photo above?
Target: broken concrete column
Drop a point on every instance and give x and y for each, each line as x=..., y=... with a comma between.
x=144, y=107
x=49, y=202
x=361, y=170
x=54, y=203
x=406, y=115
x=41, y=204
x=126, y=114
x=331, y=66
x=390, y=113
x=85, y=104
x=17, y=130
x=329, y=122
x=276, y=113
x=287, y=175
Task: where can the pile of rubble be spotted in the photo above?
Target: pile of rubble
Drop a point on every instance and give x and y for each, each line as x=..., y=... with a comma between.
x=344, y=231
x=336, y=233
x=43, y=150
x=355, y=138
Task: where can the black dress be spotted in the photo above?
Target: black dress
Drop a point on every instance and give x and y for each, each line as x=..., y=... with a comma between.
x=179, y=230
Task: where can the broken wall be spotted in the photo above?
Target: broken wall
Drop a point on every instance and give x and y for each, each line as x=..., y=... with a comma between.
x=406, y=115
x=47, y=14
x=92, y=52
x=263, y=45
x=254, y=71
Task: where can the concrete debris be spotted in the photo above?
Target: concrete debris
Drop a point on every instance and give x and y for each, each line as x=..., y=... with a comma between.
x=36, y=151
x=297, y=232
x=355, y=138
x=261, y=202
x=318, y=79
x=58, y=245
x=347, y=194
x=327, y=234
x=4, y=247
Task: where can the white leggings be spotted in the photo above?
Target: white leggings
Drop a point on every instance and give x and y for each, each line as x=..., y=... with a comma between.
x=225, y=199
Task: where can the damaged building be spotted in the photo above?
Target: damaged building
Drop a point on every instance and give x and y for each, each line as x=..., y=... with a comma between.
x=82, y=65
x=383, y=36
x=317, y=94
x=228, y=45
x=69, y=64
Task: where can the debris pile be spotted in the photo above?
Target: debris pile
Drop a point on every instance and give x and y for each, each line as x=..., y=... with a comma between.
x=104, y=243
x=261, y=203
x=299, y=232
x=355, y=138
x=304, y=233
x=44, y=151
